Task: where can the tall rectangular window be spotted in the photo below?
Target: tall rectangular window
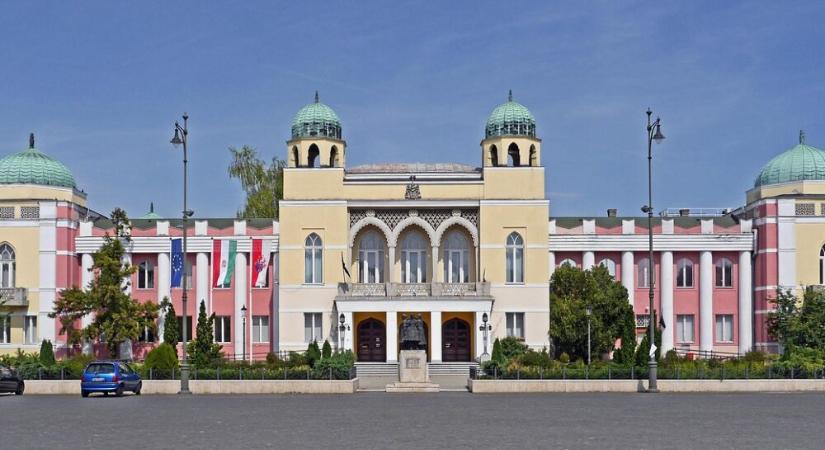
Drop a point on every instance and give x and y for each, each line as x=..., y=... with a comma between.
x=5, y=330
x=260, y=328
x=223, y=329
x=146, y=275
x=515, y=324
x=188, y=328
x=684, y=328
x=724, y=327
x=148, y=335
x=312, y=327
x=30, y=329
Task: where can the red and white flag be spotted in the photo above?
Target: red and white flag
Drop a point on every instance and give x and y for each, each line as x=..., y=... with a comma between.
x=223, y=262
x=261, y=249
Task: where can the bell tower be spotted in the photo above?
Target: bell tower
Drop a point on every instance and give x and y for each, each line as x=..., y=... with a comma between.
x=510, y=137
x=316, y=138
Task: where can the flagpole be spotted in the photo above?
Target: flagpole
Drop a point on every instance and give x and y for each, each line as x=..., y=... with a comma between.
x=252, y=280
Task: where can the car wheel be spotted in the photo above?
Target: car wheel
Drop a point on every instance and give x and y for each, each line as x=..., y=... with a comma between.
x=84, y=394
x=138, y=388
x=106, y=394
x=20, y=388
x=119, y=391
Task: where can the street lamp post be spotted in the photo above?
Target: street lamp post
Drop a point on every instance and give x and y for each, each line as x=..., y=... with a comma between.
x=588, y=312
x=654, y=133
x=243, y=328
x=180, y=138
x=341, y=329
x=485, y=329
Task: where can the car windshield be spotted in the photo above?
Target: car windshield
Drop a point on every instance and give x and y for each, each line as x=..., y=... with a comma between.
x=100, y=368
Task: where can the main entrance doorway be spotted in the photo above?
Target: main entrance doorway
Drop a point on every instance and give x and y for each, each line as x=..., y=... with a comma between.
x=372, y=338
x=455, y=339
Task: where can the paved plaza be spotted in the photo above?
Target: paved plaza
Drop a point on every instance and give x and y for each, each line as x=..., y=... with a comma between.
x=445, y=420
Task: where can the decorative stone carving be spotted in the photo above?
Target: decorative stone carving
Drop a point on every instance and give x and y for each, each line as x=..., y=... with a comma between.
x=413, y=191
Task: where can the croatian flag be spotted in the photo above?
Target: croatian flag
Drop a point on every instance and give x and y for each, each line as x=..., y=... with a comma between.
x=177, y=262
x=261, y=248
x=223, y=262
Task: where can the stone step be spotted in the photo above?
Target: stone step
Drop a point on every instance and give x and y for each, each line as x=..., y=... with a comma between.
x=412, y=387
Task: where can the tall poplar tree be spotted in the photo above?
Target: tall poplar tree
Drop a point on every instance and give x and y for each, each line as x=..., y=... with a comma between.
x=117, y=317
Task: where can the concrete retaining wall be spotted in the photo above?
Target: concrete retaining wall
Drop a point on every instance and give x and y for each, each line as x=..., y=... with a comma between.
x=72, y=387
x=523, y=386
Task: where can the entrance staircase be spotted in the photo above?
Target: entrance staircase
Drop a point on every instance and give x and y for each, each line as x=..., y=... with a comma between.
x=452, y=368
x=381, y=369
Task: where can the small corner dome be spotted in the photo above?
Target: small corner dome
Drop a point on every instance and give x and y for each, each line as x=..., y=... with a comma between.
x=316, y=119
x=510, y=119
x=31, y=166
x=800, y=163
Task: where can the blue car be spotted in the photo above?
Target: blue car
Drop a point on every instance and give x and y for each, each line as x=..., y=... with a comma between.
x=109, y=376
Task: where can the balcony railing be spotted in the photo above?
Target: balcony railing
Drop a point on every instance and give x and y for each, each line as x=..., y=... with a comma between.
x=14, y=296
x=414, y=289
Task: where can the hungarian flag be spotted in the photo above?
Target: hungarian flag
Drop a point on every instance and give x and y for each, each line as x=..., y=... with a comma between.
x=223, y=261
x=261, y=248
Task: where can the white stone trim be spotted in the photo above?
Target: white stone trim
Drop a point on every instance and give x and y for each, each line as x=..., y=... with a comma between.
x=299, y=203
x=514, y=202
x=455, y=220
x=162, y=228
x=371, y=220
x=675, y=242
x=410, y=305
x=667, y=226
x=629, y=226
x=157, y=244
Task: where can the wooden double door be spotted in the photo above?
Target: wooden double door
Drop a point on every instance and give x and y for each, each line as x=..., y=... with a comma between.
x=372, y=341
x=455, y=340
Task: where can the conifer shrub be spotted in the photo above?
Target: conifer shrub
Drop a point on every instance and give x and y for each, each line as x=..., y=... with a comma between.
x=46, y=353
x=326, y=351
x=162, y=358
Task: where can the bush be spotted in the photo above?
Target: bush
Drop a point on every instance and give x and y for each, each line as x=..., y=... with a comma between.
x=313, y=353
x=326, y=351
x=339, y=365
x=755, y=356
x=46, y=353
x=512, y=347
x=671, y=358
x=564, y=358
x=163, y=358
x=536, y=359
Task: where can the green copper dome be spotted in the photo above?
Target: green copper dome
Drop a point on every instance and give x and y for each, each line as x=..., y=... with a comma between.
x=510, y=119
x=802, y=162
x=316, y=119
x=31, y=166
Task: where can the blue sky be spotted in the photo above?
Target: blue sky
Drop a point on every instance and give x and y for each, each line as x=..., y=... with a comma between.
x=101, y=84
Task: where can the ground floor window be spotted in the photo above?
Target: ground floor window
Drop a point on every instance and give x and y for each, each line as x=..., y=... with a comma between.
x=684, y=328
x=223, y=329
x=260, y=328
x=312, y=327
x=5, y=330
x=147, y=335
x=515, y=324
x=724, y=327
x=30, y=329
x=188, y=328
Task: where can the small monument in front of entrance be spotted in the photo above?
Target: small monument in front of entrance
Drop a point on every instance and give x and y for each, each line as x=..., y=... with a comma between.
x=413, y=375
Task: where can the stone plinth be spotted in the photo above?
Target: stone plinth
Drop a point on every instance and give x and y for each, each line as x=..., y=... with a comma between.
x=413, y=373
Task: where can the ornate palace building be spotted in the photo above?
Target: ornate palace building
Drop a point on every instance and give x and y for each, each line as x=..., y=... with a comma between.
x=359, y=247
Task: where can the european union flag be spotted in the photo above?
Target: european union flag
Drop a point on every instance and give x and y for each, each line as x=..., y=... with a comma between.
x=177, y=262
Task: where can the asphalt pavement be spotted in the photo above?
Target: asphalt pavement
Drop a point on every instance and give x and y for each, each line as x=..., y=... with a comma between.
x=443, y=420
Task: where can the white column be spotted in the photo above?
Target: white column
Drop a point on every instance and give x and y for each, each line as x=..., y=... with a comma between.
x=706, y=301
x=164, y=277
x=348, y=341
x=240, y=301
x=666, y=298
x=391, y=268
x=86, y=276
x=202, y=280
x=479, y=341
x=627, y=274
x=551, y=264
x=745, y=303
x=588, y=260
x=435, y=336
x=436, y=276
x=392, y=336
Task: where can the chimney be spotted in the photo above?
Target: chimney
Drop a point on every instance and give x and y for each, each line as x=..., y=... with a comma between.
x=684, y=212
x=611, y=212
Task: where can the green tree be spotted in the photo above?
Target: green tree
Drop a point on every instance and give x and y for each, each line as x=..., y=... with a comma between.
x=326, y=350
x=171, y=333
x=262, y=183
x=497, y=356
x=313, y=353
x=46, y=353
x=117, y=317
x=626, y=353
x=643, y=352
x=798, y=323
x=203, y=351
x=163, y=357
x=571, y=291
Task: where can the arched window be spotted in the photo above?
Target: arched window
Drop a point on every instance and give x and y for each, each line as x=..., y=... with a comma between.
x=413, y=258
x=371, y=258
x=533, y=156
x=644, y=273
x=7, y=266
x=724, y=273
x=513, y=156
x=515, y=258
x=312, y=156
x=822, y=265
x=296, y=162
x=146, y=275
x=456, y=258
x=610, y=265
x=313, y=259
x=333, y=157
x=569, y=262
x=684, y=273
x=493, y=156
